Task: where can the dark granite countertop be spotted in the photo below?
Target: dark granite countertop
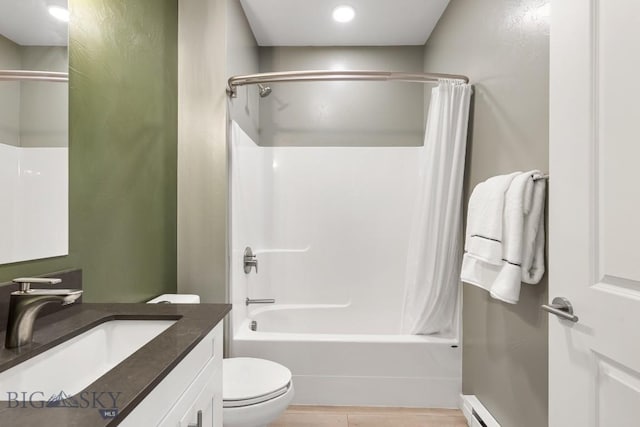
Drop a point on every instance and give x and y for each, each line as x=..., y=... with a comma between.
x=134, y=377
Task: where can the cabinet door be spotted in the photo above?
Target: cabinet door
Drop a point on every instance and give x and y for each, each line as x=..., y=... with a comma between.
x=208, y=403
x=177, y=399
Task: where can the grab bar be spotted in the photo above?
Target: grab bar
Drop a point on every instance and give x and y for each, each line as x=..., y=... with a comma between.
x=249, y=301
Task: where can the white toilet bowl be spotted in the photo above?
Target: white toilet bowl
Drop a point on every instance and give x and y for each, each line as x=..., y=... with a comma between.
x=255, y=391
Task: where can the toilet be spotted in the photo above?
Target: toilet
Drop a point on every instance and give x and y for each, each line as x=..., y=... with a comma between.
x=255, y=392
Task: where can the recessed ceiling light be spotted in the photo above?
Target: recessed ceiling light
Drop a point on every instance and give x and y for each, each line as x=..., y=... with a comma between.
x=343, y=14
x=59, y=13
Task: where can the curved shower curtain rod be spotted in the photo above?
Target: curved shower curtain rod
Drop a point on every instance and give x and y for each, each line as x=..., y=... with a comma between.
x=39, y=76
x=328, y=75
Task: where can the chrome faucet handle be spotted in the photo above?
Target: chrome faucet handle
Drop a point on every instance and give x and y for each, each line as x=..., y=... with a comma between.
x=25, y=282
x=250, y=260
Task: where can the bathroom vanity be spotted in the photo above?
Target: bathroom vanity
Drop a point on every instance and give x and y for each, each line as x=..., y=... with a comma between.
x=191, y=395
x=118, y=364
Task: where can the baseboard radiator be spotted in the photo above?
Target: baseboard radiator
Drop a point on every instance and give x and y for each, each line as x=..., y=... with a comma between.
x=475, y=412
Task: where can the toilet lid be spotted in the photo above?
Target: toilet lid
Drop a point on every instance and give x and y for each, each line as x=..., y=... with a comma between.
x=255, y=380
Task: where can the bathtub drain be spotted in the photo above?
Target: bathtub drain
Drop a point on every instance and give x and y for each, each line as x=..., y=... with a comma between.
x=254, y=325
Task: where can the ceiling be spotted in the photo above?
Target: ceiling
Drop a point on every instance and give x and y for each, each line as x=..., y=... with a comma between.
x=309, y=22
x=28, y=23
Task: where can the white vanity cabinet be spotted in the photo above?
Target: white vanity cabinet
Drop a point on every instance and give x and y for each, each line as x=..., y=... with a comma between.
x=191, y=395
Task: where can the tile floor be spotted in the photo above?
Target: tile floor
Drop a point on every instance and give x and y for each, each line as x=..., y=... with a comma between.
x=335, y=416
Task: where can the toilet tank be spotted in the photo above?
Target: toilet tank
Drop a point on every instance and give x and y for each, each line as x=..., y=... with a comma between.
x=175, y=299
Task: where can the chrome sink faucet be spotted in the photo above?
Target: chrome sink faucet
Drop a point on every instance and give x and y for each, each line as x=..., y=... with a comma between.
x=26, y=303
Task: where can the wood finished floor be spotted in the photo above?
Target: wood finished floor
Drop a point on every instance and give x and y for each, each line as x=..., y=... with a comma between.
x=338, y=416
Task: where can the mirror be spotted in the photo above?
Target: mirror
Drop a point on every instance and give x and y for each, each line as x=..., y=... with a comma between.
x=33, y=129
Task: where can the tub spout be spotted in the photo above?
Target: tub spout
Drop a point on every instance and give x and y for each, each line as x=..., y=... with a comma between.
x=249, y=301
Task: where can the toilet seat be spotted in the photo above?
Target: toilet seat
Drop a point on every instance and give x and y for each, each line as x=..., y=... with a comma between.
x=249, y=381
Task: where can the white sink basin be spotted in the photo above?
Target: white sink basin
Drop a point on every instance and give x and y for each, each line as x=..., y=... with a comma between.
x=73, y=365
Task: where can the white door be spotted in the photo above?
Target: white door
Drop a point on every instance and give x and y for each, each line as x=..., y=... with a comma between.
x=594, y=210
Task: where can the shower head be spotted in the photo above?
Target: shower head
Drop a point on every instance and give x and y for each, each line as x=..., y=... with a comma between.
x=263, y=90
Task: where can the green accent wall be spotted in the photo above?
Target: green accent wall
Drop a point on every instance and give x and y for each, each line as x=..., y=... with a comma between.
x=123, y=150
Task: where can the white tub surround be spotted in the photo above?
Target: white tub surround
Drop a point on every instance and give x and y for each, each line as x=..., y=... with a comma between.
x=328, y=225
x=34, y=215
x=330, y=228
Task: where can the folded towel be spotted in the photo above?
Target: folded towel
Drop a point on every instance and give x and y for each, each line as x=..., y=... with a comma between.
x=534, y=237
x=484, y=219
x=521, y=243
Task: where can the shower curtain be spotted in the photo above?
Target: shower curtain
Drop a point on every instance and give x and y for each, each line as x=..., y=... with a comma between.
x=432, y=276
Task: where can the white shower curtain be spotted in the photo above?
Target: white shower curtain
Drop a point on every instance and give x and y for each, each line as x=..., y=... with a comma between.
x=432, y=277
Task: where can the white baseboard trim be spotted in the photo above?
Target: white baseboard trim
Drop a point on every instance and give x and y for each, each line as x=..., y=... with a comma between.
x=470, y=404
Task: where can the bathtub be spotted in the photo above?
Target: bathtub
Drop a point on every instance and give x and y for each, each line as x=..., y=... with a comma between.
x=339, y=358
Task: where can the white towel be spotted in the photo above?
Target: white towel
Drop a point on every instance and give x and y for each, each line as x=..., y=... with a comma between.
x=484, y=219
x=520, y=220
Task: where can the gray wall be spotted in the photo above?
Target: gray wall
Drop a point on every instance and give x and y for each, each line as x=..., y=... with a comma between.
x=214, y=42
x=342, y=113
x=44, y=107
x=10, y=59
x=503, y=46
x=33, y=114
x=242, y=58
